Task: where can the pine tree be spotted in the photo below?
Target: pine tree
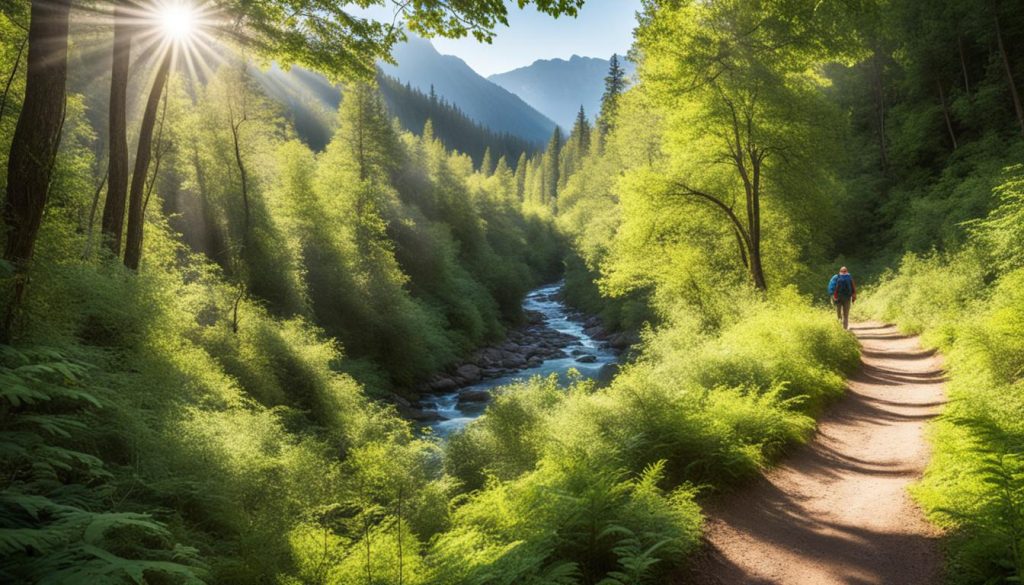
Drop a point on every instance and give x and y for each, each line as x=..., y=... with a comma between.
x=614, y=85
x=581, y=132
x=549, y=166
x=576, y=148
x=521, y=166
x=487, y=163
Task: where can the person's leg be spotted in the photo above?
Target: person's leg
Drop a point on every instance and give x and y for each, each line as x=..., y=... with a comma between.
x=846, y=313
x=839, y=309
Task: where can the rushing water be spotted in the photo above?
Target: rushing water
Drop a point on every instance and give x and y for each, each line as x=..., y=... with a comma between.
x=546, y=301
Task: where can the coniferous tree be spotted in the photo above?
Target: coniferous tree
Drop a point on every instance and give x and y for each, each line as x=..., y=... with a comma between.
x=576, y=148
x=521, y=166
x=550, y=168
x=487, y=164
x=614, y=85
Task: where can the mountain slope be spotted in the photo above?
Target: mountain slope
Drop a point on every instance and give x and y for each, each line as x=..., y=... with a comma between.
x=310, y=102
x=557, y=88
x=455, y=130
x=420, y=65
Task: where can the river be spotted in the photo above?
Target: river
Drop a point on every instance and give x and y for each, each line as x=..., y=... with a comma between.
x=546, y=300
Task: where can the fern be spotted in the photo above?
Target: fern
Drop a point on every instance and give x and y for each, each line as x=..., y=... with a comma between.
x=52, y=525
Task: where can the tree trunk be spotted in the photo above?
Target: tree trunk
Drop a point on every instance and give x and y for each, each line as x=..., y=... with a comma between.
x=1009, y=75
x=756, y=268
x=92, y=216
x=945, y=114
x=245, y=182
x=136, y=215
x=35, y=142
x=742, y=247
x=112, y=224
x=963, y=64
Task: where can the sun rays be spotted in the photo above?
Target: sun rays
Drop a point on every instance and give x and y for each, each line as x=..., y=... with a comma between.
x=192, y=34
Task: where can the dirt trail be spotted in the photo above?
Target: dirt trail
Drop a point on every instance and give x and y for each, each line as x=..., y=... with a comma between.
x=837, y=510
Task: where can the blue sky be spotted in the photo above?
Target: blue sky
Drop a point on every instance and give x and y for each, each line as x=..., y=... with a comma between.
x=603, y=27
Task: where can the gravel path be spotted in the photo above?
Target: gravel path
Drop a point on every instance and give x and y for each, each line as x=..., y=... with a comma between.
x=837, y=510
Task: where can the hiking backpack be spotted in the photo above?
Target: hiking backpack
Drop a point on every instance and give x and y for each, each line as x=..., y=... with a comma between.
x=844, y=286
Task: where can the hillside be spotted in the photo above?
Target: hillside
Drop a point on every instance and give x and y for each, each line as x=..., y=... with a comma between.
x=557, y=88
x=310, y=103
x=421, y=66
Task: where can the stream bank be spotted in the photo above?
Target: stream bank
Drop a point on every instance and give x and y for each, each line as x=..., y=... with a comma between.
x=554, y=340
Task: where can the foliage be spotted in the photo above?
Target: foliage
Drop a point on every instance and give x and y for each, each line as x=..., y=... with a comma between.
x=53, y=527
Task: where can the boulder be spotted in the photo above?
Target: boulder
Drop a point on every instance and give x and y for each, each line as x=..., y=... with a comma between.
x=469, y=372
x=489, y=356
x=621, y=340
x=514, y=361
x=587, y=359
x=474, y=396
x=400, y=400
x=442, y=384
x=534, y=361
x=531, y=351
x=418, y=415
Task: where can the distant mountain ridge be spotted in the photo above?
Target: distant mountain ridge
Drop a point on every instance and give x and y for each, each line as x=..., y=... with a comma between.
x=558, y=87
x=310, y=102
x=421, y=66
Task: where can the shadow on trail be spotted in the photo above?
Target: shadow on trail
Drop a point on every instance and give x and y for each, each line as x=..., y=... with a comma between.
x=852, y=554
x=837, y=510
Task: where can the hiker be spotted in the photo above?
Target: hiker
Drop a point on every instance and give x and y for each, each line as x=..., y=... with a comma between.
x=843, y=292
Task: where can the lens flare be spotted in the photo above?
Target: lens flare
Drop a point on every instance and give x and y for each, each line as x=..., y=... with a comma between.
x=178, y=21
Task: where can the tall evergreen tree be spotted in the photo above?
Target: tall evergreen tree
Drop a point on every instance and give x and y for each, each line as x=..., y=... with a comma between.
x=521, y=166
x=487, y=163
x=576, y=148
x=614, y=85
x=581, y=132
x=550, y=167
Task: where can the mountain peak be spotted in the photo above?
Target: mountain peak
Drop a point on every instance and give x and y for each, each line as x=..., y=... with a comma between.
x=420, y=65
x=558, y=87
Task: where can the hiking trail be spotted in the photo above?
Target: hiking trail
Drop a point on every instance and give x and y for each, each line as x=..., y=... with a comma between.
x=837, y=510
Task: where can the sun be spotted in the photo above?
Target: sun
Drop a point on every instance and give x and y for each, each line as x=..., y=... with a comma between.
x=177, y=21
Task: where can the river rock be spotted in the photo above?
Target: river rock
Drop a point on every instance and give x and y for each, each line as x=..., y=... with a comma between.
x=534, y=362
x=443, y=384
x=418, y=414
x=469, y=372
x=621, y=340
x=587, y=359
x=514, y=361
x=489, y=356
x=474, y=396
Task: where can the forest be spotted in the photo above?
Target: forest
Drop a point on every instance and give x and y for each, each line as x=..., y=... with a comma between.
x=215, y=301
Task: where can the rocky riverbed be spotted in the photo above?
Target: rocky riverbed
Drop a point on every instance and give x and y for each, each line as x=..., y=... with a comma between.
x=553, y=340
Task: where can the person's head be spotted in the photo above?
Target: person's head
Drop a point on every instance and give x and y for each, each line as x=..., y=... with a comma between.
x=843, y=270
